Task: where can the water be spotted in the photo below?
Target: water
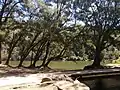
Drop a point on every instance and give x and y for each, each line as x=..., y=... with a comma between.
x=112, y=83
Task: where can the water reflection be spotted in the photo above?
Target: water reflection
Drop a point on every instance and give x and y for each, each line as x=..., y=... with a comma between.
x=99, y=85
x=104, y=83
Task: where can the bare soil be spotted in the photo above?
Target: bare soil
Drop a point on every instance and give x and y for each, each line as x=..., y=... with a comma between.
x=25, y=79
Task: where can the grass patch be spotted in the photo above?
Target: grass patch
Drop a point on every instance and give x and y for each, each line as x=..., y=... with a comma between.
x=64, y=65
x=69, y=65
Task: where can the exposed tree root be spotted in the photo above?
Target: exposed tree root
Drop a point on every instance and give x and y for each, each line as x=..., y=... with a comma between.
x=90, y=67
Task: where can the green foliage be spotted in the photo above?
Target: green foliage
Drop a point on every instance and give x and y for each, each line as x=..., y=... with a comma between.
x=54, y=32
x=101, y=20
x=117, y=61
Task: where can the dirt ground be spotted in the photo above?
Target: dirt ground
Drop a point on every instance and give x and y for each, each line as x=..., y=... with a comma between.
x=29, y=79
x=24, y=79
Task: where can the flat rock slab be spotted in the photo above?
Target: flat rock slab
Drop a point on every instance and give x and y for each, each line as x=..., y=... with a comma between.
x=97, y=71
x=40, y=82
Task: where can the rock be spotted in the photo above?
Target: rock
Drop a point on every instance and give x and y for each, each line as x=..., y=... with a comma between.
x=67, y=85
x=46, y=80
x=61, y=77
x=42, y=82
x=49, y=87
x=61, y=82
x=48, y=84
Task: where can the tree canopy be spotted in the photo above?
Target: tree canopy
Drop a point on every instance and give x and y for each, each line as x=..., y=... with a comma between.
x=58, y=29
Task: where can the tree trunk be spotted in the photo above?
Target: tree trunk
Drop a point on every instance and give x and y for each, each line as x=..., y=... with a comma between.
x=7, y=62
x=96, y=62
x=55, y=58
x=21, y=62
x=46, y=55
x=38, y=54
x=9, y=55
x=11, y=48
x=47, y=63
x=33, y=65
x=0, y=52
x=97, y=58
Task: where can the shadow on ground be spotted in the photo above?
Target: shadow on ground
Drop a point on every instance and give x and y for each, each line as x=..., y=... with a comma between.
x=8, y=71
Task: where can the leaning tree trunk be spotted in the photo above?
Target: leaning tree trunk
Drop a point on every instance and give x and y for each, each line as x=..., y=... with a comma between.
x=21, y=62
x=9, y=55
x=8, y=59
x=49, y=60
x=37, y=56
x=0, y=52
x=11, y=47
x=46, y=55
x=33, y=62
x=55, y=58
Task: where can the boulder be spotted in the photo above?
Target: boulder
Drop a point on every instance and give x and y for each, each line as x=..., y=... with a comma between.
x=49, y=84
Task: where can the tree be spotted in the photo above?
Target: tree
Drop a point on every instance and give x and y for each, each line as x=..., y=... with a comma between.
x=15, y=33
x=7, y=9
x=102, y=19
x=2, y=34
x=53, y=20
